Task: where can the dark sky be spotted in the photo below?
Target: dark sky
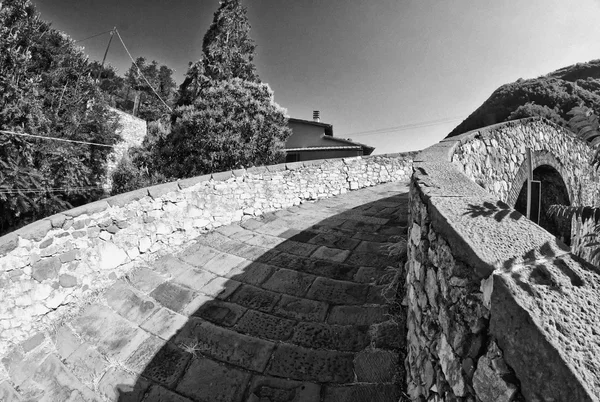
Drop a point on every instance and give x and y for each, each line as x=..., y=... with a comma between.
x=366, y=65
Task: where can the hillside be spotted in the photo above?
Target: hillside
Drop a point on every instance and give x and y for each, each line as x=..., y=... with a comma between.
x=551, y=96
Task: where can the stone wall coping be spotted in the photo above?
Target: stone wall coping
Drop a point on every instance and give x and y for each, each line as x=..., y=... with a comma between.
x=38, y=229
x=541, y=313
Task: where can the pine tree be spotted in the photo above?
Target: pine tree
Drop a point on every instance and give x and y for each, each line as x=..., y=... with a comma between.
x=228, y=50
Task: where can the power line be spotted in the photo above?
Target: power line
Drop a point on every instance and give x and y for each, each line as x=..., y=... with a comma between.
x=140, y=71
x=93, y=36
x=55, y=139
x=45, y=190
x=404, y=127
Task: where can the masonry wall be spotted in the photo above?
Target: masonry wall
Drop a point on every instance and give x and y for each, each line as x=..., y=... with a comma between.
x=49, y=268
x=498, y=309
x=495, y=160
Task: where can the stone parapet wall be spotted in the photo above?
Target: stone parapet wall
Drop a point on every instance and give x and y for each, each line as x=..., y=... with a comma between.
x=494, y=158
x=498, y=309
x=51, y=267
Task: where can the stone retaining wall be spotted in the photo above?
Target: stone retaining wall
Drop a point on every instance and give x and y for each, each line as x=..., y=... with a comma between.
x=50, y=267
x=498, y=309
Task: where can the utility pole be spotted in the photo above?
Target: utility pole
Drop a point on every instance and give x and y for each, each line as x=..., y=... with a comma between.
x=105, y=53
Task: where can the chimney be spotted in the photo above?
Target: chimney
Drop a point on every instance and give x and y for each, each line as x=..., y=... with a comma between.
x=316, y=116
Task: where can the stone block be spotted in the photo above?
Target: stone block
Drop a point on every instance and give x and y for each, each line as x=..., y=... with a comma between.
x=298, y=363
x=122, y=200
x=195, y=278
x=186, y=183
x=220, y=312
x=8, y=393
x=144, y=353
x=331, y=254
x=66, y=342
x=111, y=256
x=33, y=342
x=348, y=338
x=67, y=281
x=376, y=366
x=221, y=176
x=8, y=243
x=337, y=292
x=225, y=345
x=263, y=387
x=264, y=325
x=220, y=288
x=86, y=363
x=130, y=304
x=300, y=309
x=164, y=323
x=145, y=279
x=213, y=381
x=363, y=392
x=167, y=366
x=357, y=315
x=35, y=231
x=172, y=295
x=120, y=385
x=289, y=282
x=222, y=264
x=255, y=298
x=46, y=269
x=59, y=383
x=87, y=209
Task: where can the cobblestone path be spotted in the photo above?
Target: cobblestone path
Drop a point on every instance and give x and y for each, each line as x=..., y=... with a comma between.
x=288, y=307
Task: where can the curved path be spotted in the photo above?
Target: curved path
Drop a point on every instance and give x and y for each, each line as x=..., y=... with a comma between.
x=288, y=307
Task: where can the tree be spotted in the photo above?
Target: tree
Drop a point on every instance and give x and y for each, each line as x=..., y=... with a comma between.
x=231, y=124
x=145, y=79
x=47, y=89
x=227, y=49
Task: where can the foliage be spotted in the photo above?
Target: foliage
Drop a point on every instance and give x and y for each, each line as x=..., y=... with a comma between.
x=227, y=49
x=47, y=89
x=231, y=124
x=552, y=96
x=161, y=80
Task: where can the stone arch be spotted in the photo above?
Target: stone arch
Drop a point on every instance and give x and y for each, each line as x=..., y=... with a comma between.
x=554, y=191
x=540, y=158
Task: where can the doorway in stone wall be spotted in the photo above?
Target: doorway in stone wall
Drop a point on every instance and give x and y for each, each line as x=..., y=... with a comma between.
x=553, y=191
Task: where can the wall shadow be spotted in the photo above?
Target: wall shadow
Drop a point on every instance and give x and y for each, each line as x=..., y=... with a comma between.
x=317, y=304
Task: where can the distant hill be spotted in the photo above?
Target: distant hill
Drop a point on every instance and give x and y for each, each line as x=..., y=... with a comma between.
x=551, y=96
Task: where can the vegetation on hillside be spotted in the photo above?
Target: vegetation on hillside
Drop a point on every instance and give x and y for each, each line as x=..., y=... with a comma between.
x=551, y=96
x=225, y=118
x=47, y=89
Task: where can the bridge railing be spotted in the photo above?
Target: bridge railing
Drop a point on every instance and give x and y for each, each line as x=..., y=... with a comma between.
x=497, y=307
x=51, y=267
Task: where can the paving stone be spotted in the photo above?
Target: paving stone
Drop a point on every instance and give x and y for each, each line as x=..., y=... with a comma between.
x=271, y=389
x=371, y=254
x=198, y=255
x=289, y=282
x=298, y=363
x=348, y=338
x=264, y=325
x=86, y=363
x=362, y=393
x=167, y=365
x=164, y=323
x=59, y=384
x=376, y=366
x=272, y=228
x=172, y=295
x=252, y=224
x=226, y=345
x=335, y=241
x=33, y=342
x=145, y=279
x=46, y=268
x=331, y=254
x=8, y=393
x=169, y=266
x=357, y=315
x=65, y=341
x=194, y=278
x=161, y=394
x=255, y=298
x=297, y=248
x=301, y=309
x=220, y=288
x=254, y=273
x=195, y=304
x=212, y=239
x=128, y=303
x=106, y=329
x=359, y=226
x=222, y=263
x=374, y=237
x=250, y=252
x=144, y=354
x=122, y=386
x=242, y=235
x=389, y=335
x=265, y=241
x=220, y=312
x=371, y=275
x=209, y=381
x=230, y=230
x=337, y=292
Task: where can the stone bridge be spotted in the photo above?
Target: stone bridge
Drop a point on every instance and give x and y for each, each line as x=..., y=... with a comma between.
x=276, y=283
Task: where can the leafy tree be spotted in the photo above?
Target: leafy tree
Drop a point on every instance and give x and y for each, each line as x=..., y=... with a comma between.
x=231, y=124
x=227, y=49
x=47, y=89
x=530, y=109
x=159, y=79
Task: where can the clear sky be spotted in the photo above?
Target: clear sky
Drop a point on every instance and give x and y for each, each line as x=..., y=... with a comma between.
x=365, y=64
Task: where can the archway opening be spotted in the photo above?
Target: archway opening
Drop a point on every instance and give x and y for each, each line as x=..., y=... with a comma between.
x=554, y=191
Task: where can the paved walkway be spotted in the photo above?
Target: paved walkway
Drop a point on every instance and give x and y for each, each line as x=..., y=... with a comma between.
x=284, y=308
